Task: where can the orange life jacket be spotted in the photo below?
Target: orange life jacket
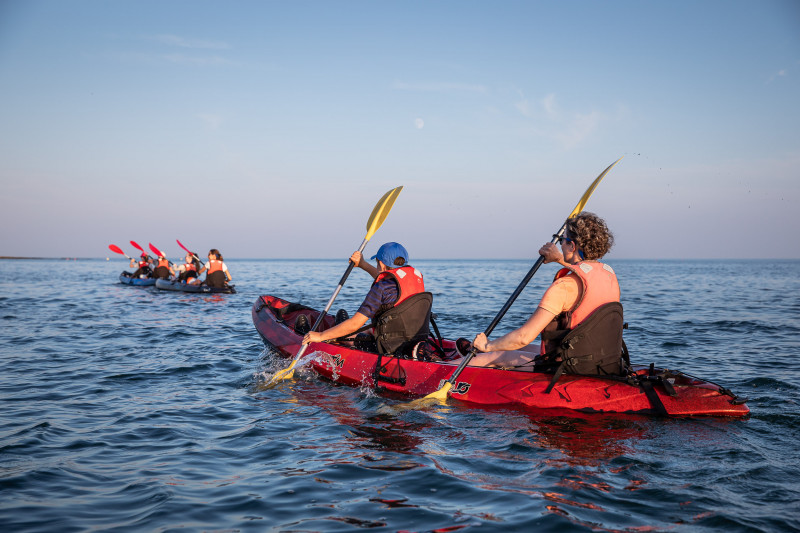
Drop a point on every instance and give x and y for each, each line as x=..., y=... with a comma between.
x=599, y=286
x=214, y=266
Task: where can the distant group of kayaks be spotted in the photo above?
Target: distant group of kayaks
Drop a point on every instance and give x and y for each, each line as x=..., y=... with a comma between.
x=162, y=274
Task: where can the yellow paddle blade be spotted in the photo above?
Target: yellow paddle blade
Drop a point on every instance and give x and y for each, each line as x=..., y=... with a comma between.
x=592, y=187
x=381, y=210
x=436, y=397
x=439, y=395
x=280, y=375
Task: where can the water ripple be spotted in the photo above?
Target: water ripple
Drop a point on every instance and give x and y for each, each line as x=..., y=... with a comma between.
x=131, y=409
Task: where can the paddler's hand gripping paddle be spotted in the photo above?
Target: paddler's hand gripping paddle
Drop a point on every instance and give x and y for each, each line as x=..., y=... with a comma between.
x=441, y=394
x=375, y=221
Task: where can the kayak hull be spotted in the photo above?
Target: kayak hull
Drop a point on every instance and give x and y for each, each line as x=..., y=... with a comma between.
x=650, y=391
x=179, y=286
x=126, y=279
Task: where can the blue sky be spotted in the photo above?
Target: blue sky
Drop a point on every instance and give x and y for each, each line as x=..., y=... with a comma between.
x=270, y=129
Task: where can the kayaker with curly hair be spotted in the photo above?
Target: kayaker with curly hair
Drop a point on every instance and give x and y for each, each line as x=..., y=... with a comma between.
x=582, y=286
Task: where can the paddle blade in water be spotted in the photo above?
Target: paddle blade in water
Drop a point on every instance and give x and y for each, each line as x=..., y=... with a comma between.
x=381, y=210
x=592, y=187
x=280, y=375
x=437, y=397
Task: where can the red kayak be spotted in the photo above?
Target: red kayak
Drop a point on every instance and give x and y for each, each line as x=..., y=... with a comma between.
x=648, y=390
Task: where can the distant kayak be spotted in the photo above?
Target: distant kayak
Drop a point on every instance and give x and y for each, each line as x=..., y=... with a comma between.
x=171, y=285
x=647, y=391
x=127, y=278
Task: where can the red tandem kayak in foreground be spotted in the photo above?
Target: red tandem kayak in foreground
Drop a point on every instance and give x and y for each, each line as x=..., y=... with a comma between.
x=649, y=390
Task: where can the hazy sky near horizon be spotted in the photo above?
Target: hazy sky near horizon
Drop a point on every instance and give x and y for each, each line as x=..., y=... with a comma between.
x=270, y=129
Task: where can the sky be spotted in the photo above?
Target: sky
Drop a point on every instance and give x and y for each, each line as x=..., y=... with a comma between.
x=270, y=129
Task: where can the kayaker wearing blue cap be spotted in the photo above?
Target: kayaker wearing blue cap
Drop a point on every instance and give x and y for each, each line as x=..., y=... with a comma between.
x=578, y=290
x=397, y=304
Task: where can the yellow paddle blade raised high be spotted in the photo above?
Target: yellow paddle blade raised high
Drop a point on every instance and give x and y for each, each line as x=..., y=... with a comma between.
x=376, y=218
x=441, y=395
x=592, y=187
x=380, y=211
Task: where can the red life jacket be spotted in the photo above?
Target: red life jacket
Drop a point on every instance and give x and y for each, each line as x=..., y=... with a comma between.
x=599, y=286
x=399, y=327
x=409, y=281
x=190, y=267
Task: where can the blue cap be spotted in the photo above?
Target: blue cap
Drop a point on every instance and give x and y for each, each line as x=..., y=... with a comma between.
x=390, y=251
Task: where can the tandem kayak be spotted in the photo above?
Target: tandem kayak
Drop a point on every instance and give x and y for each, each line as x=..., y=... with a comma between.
x=127, y=278
x=171, y=285
x=647, y=390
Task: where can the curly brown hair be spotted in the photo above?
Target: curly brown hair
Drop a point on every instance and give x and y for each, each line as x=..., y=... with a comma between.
x=591, y=234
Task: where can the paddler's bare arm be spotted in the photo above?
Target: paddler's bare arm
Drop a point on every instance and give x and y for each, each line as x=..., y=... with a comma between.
x=519, y=338
x=340, y=330
x=358, y=261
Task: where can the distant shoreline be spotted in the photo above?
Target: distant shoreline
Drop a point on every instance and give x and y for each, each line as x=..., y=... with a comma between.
x=44, y=258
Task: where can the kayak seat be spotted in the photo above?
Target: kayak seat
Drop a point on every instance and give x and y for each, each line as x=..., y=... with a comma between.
x=400, y=328
x=281, y=312
x=301, y=325
x=593, y=348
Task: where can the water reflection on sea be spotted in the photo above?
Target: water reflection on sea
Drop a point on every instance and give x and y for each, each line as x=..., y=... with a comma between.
x=133, y=409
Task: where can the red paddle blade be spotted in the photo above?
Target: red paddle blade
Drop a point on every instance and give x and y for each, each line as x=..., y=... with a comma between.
x=116, y=249
x=155, y=250
x=133, y=243
x=182, y=246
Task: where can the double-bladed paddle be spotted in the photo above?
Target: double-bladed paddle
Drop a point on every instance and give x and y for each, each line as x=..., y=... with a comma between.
x=444, y=389
x=117, y=250
x=157, y=252
x=374, y=222
x=135, y=245
x=190, y=252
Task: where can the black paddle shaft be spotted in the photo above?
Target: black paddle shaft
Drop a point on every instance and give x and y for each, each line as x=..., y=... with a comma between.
x=339, y=287
x=506, y=306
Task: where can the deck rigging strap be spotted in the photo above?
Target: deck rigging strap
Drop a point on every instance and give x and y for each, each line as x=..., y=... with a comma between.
x=652, y=396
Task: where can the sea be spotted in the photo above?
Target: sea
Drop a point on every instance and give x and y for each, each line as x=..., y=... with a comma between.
x=132, y=409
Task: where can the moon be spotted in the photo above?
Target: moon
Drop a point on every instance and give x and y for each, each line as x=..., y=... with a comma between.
x=419, y=123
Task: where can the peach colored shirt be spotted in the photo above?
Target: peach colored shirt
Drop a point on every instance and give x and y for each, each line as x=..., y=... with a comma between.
x=562, y=295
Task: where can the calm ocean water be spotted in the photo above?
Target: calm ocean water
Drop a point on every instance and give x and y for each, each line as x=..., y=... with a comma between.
x=129, y=409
